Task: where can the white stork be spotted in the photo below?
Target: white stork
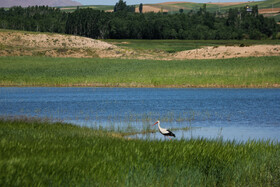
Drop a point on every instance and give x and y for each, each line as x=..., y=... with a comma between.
x=163, y=131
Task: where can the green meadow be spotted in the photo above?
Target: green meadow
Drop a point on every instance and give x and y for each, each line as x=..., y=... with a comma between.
x=46, y=71
x=39, y=153
x=97, y=7
x=172, y=46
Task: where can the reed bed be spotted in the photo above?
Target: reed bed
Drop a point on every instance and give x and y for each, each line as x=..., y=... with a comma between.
x=41, y=153
x=44, y=71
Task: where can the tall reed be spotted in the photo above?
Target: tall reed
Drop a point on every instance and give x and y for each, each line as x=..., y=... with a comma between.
x=43, y=71
x=34, y=153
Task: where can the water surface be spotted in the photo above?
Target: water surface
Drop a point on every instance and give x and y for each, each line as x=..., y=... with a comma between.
x=239, y=114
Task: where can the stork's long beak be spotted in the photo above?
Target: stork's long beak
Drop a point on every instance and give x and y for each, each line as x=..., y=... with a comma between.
x=155, y=123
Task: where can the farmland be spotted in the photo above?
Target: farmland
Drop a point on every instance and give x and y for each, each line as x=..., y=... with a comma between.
x=268, y=8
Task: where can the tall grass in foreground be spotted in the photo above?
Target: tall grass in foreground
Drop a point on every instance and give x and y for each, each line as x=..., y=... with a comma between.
x=43, y=71
x=39, y=153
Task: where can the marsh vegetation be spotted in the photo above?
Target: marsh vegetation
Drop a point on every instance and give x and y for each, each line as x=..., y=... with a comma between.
x=36, y=152
x=43, y=71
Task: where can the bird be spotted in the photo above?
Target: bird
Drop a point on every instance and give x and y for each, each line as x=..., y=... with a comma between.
x=164, y=132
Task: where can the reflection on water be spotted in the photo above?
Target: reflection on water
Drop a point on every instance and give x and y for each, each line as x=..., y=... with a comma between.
x=239, y=134
x=240, y=113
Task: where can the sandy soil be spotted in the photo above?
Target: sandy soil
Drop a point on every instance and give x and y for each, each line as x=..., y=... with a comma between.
x=229, y=52
x=148, y=8
x=170, y=3
x=56, y=45
x=13, y=43
x=269, y=10
x=51, y=40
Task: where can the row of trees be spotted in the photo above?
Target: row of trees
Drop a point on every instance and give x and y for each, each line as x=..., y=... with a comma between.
x=121, y=6
x=36, y=18
x=124, y=24
x=236, y=24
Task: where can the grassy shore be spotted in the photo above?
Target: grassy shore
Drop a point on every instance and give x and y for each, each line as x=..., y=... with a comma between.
x=44, y=71
x=38, y=153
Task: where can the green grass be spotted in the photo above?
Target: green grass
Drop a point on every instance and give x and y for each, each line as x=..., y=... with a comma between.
x=37, y=153
x=45, y=71
x=172, y=46
x=96, y=7
x=174, y=8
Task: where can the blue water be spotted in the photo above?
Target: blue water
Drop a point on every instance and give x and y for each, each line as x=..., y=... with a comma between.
x=239, y=114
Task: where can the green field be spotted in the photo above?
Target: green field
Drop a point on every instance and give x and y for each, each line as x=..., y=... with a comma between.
x=173, y=46
x=37, y=153
x=97, y=7
x=46, y=71
x=174, y=8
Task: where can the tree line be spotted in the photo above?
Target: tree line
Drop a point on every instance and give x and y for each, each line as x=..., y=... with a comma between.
x=123, y=23
x=35, y=18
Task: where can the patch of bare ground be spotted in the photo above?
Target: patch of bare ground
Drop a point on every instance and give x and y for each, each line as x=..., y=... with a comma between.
x=220, y=52
x=228, y=3
x=269, y=10
x=170, y=3
x=221, y=3
x=15, y=43
x=148, y=8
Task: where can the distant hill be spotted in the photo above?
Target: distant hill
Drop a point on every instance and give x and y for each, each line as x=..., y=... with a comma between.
x=174, y=7
x=26, y=3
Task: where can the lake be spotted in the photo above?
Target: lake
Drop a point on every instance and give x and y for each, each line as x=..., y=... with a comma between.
x=230, y=114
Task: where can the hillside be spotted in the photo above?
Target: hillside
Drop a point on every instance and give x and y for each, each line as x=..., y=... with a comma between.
x=269, y=8
x=23, y=43
x=26, y=3
x=213, y=7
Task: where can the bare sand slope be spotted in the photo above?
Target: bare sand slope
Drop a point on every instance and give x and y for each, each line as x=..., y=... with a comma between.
x=229, y=52
x=16, y=43
x=51, y=40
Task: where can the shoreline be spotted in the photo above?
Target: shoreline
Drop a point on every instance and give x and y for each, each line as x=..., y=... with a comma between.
x=128, y=85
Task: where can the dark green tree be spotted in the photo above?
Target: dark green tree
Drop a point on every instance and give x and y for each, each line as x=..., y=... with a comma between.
x=122, y=7
x=124, y=24
x=141, y=8
x=255, y=10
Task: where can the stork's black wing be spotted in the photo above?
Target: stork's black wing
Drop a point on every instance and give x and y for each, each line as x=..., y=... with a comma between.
x=170, y=133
